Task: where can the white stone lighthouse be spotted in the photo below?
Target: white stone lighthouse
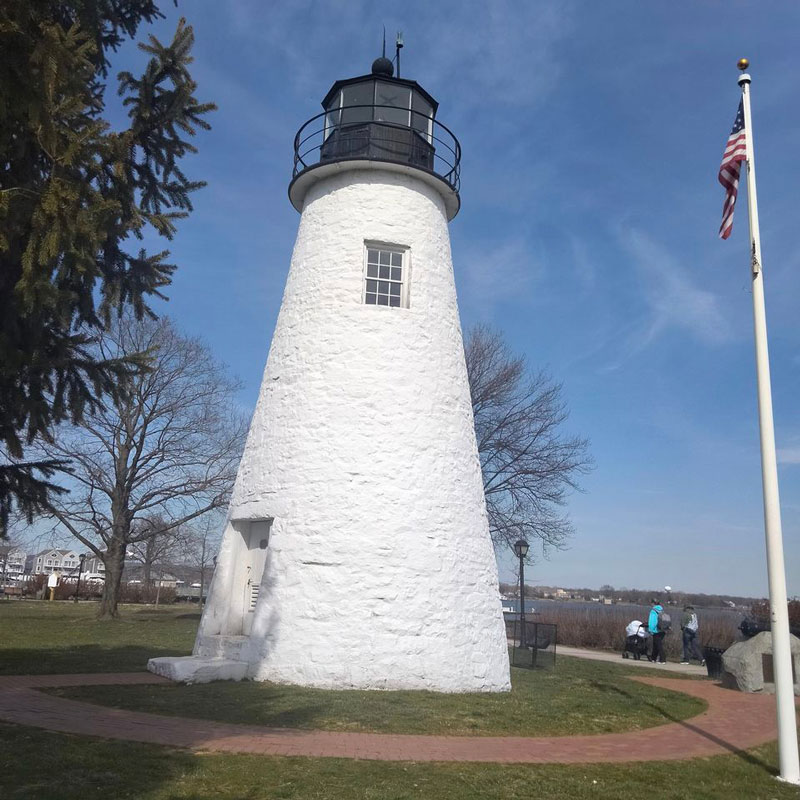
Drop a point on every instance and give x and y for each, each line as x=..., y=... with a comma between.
x=357, y=552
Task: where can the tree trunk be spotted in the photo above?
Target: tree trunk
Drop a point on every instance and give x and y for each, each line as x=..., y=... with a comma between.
x=202, y=572
x=114, y=561
x=158, y=589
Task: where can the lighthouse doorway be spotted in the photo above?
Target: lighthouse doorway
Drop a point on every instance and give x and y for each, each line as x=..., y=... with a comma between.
x=256, y=540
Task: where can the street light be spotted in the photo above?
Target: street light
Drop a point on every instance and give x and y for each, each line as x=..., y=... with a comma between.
x=80, y=570
x=521, y=550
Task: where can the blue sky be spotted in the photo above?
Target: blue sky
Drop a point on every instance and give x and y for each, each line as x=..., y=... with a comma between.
x=592, y=134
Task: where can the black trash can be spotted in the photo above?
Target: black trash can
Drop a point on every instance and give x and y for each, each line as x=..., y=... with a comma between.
x=713, y=657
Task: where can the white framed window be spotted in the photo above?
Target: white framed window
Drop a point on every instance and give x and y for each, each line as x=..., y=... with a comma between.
x=386, y=271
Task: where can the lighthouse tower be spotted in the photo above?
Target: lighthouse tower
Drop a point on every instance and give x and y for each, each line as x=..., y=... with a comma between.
x=356, y=552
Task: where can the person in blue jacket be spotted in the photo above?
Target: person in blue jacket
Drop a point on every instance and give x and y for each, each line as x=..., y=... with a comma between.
x=656, y=634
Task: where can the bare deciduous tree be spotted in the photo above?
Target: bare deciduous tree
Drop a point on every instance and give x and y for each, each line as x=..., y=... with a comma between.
x=157, y=543
x=199, y=549
x=529, y=464
x=166, y=451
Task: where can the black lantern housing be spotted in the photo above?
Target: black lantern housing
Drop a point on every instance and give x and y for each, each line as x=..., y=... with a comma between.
x=520, y=548
x=378, y=118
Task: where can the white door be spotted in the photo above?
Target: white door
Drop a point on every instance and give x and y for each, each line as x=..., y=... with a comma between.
x=257, y=541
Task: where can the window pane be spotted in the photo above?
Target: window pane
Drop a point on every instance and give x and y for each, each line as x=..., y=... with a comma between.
x=384, y=277
x=419, y=120
x=332, y=118
x=357, y=94
x=389, y=94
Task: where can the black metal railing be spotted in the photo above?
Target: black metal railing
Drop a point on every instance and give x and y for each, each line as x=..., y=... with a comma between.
x=358, y=133
x=532, y=645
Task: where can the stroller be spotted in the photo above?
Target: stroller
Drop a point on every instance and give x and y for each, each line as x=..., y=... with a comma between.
x=636, y=636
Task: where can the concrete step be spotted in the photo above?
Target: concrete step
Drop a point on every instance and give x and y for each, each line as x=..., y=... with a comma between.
x=221, y=646
x=196, y=669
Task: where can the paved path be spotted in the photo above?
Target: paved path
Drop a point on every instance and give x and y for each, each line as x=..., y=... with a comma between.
x=616, y=658
x=733, y=722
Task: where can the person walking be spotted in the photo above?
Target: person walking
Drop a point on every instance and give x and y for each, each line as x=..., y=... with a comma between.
x=690, y=627
x=657, y=632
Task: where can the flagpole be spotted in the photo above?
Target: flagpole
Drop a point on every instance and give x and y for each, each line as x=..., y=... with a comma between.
x=779, y=614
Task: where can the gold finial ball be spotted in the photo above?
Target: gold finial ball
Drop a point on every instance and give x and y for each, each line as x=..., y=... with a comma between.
x=743, y=64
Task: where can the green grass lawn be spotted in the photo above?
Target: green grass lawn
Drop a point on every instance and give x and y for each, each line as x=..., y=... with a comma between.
x=579, y=696
x=36, y=764
x=39, y=637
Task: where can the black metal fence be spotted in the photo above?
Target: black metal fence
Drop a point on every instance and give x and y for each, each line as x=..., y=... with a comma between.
x=427, y=144
x=532, y=645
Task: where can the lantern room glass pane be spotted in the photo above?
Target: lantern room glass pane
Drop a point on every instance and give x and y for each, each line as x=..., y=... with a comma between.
x=398, y=97
x=333, y=115
x=420, y=119
x=357, y=94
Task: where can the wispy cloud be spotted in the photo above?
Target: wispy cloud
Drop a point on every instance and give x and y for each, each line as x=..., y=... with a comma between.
x=584, y=267
x=492, y=273
x=674, y=301
x=502, y=52
x=789, y=455
x=499, y=52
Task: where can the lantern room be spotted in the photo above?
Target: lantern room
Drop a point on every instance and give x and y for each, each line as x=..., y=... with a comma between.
x=380, y=119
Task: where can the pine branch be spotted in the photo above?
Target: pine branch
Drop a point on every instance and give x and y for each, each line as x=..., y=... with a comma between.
x=31, y=495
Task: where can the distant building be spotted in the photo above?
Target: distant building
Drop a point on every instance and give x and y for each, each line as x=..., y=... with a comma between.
x=93, y=568
x=12, y=562
x=55, y=560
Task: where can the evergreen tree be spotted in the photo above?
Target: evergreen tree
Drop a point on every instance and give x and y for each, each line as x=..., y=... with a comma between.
x=74, y=193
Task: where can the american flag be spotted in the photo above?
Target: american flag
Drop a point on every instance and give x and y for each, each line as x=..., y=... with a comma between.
x=735, y=153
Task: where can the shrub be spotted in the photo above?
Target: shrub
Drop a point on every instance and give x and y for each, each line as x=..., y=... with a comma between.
x=145, y=593
x=35, y=584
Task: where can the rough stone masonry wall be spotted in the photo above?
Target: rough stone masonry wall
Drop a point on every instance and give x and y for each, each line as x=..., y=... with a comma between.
x=380, y=571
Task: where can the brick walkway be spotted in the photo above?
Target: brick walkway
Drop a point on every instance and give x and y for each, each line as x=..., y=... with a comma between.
x=733, y=722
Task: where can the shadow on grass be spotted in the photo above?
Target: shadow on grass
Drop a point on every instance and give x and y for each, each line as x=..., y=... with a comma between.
x=742, y=754
x=195, y=700
x=78, y=768
x=81, y=658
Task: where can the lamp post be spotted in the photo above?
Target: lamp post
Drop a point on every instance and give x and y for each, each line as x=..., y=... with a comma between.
x=82, y=558
x=521, y=550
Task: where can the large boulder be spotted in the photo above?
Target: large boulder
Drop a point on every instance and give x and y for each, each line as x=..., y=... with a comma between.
x=743, y=664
